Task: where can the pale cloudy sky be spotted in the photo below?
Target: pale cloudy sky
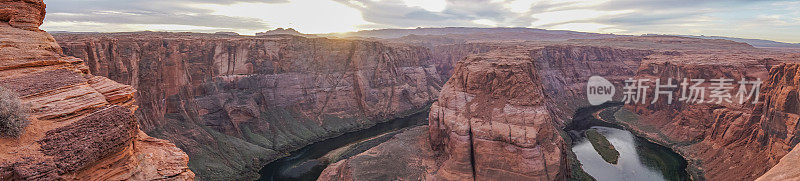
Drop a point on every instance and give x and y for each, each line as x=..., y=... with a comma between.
x=763, y=19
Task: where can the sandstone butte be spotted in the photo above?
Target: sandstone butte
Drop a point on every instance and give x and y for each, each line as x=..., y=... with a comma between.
x=82, y=126
x=501, y=114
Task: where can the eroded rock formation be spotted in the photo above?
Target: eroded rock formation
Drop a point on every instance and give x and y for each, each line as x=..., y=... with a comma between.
x=81, y=126
x=779, y=119
x=235, y=103
x=491, y=122
x=727, y=140
x=484, y=100
x=23, y=14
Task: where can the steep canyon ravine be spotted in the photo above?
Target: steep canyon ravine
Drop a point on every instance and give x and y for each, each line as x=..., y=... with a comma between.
x=639, y=158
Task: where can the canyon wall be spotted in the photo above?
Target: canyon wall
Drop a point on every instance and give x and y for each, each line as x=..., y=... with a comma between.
x=783, y=100
x=720, y=141
x=716, y=139
x=478, y=117
x=728, y=140
x=81, y=126
x=446, y=56
x=235, y=103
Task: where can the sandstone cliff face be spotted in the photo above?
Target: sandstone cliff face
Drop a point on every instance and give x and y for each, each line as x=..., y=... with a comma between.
x=786, y=169
x=23, y=14
x=446, y=56
x=720, y=141
x=82, y=126
x=716, y=139
x=235, y=103
x=565, y=69
x=770, y=129
x=491, y=122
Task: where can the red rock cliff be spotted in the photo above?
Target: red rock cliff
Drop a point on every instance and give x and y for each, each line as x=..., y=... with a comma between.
x=491, y=122
x=81, y=126
x=781, y=131
x=234, y=103
x=478, y=112
x=728, y=140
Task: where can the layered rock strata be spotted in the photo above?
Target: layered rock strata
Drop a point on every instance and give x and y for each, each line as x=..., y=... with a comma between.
x=479, y=105
x=23, y=14
x=778, y=123
x=491, y=122
x=81, y=126
x=235, y=103
x=727, y=140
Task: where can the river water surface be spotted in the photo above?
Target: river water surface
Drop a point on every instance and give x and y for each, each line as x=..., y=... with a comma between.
x=308, y=163
x=639, y=158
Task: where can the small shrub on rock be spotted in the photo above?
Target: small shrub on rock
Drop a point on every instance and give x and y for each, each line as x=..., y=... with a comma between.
x=13, y=114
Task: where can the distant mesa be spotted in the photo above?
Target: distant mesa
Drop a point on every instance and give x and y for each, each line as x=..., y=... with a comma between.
x=287, y=31
x=227, y=33
x=754, y=42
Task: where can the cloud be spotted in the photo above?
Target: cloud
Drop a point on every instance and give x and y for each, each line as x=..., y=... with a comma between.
x=307, y=16
x=141, y=12
x=398, y=13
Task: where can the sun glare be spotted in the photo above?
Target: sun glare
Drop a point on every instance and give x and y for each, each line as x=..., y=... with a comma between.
x=306, y=16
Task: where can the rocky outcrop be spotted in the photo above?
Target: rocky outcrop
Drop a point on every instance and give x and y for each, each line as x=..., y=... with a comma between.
x=727, y=140
x=491, y=122
x=81, y=125
x=235, y=103
x=406, y=156
x=786, y=169
x=23, y=14
x=778, y=123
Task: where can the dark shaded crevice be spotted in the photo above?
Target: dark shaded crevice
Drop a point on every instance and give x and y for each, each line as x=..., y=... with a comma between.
x=472, y=152
x=91, y=59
